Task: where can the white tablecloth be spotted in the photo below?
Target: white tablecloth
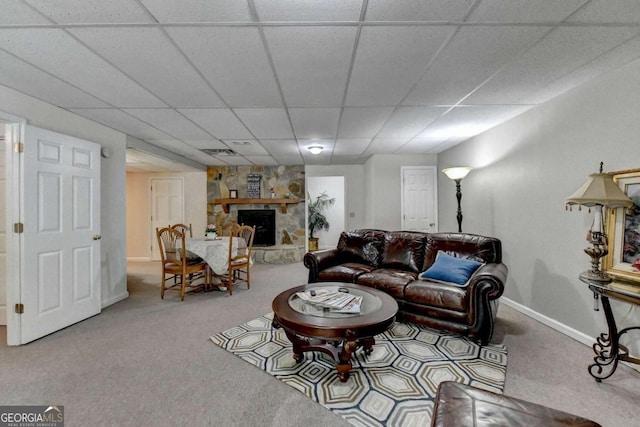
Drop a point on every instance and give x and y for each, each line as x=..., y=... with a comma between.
x=213, y=252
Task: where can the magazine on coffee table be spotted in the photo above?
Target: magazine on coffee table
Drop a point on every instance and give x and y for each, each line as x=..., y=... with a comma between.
x=340, y=302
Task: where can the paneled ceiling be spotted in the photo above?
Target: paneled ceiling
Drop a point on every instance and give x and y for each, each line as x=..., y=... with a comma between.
x=269, y=78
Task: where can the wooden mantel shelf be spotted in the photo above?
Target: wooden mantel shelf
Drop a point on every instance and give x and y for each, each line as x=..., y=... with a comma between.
x=282, y=202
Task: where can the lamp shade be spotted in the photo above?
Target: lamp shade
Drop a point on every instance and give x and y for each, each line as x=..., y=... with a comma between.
x=457, y=172
x=600, y=190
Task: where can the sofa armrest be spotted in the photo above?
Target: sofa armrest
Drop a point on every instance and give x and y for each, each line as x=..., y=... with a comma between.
x=320, y=260
x=491, y=275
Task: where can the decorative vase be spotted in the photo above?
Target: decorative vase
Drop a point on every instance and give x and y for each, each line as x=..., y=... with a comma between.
x=210, y=235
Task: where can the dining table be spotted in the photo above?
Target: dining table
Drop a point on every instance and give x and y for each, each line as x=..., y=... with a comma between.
x=215, y=252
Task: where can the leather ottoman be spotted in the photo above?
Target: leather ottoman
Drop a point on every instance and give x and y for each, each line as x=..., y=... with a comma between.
x=462, y=405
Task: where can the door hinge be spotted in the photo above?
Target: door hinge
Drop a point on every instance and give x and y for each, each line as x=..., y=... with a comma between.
x=18, y=147
x=19, y=308
x=18, y=227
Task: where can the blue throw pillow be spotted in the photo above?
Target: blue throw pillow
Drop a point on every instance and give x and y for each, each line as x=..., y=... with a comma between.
x=450, y=269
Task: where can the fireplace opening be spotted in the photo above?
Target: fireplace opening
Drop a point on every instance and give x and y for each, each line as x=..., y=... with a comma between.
x=265, y=223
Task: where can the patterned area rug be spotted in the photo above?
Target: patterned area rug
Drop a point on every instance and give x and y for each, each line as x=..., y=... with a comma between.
x=393, y=386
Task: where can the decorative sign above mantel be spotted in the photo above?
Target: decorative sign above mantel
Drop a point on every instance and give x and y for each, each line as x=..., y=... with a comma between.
x=253, y=185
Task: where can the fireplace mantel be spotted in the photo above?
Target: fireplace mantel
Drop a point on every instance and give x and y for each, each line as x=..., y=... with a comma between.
x=282, y=202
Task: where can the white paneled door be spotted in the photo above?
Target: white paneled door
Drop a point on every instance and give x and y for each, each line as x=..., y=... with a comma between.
x=60, y=250
x=419, y=198
x=167, y=207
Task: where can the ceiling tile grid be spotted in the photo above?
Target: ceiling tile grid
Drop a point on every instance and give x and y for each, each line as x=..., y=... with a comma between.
x=268, y=78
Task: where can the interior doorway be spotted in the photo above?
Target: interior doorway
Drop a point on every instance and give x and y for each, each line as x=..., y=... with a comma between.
x=419, y=198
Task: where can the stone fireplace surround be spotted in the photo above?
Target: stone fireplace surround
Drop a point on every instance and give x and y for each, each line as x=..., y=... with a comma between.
x=286, y=182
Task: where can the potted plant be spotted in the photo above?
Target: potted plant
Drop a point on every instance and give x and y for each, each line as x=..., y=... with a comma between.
x=317, y=219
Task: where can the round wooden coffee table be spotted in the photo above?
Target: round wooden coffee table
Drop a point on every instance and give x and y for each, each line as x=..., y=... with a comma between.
x=310, y=328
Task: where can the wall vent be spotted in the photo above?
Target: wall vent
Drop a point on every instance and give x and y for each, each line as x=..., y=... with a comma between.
x=219, y=152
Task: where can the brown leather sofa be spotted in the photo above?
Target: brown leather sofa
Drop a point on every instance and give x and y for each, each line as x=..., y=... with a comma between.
x=392, y=261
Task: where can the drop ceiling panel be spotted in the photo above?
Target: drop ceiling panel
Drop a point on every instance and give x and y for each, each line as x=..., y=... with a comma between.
x=350, y=147
x=315, y=122
x=616, y=11
x=266, y=123
x=234, y=61
x=472, y=56
x=465, y=122
x=234, y=160
x=360, y=122
x=15, y=12
x=179, y=147
x=312, y=63
x=199, y=11
x=121, y=121
x=609, y=61
x=64, y=57
x=384, y=146
x=390, y=60
x=525, y=11
x=170, y=122
x=412, y=10
x=262, y=160
x=92, y=11
x=281, y=147
x=561, y=52
x=289, y=160
x=219, y=122
x=324, y=10
x=153, y=61
x=407, y=122
x=420, y=145
x=30, y=80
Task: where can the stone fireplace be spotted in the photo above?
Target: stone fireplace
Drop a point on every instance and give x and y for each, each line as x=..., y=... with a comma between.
x=282, y=191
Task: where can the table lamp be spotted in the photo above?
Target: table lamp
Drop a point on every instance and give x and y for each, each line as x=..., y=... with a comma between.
x=599, y=191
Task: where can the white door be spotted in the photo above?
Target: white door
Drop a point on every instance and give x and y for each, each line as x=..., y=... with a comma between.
x=60, y=246
x=419, y=198
x=167, y=207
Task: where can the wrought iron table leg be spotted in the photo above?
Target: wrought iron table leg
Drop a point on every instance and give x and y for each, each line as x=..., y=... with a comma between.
x=607, y=347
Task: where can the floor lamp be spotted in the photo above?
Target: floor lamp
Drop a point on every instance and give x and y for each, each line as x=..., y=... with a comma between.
x=600, y=191
x=457, y=174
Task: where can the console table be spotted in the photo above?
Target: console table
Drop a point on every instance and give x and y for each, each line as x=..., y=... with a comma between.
x=607, y=347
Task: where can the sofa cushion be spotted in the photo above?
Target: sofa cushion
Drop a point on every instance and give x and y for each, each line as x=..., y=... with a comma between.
x=436, y=294
x=361, y=246
x=451, y=269
x=347, y=272
x=403, y=250
x=471, y=246
x=391, y=281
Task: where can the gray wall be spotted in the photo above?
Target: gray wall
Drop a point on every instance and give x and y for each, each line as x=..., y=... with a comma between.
x=524, y=171
x=47, y=116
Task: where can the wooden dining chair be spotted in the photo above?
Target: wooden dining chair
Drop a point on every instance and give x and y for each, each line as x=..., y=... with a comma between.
x=176, y=266
x=184, y=229
x=229, y=228
x=239, y=264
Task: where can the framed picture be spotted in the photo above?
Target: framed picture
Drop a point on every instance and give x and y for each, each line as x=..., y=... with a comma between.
x=623, y=230
x=233, y=194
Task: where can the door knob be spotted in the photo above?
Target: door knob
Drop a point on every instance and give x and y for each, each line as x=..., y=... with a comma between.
x=97, y=237
x=431, y=224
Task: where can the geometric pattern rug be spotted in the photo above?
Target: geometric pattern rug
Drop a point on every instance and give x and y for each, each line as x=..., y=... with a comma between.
x=393, y=386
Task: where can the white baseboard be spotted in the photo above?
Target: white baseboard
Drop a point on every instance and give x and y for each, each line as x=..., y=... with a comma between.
x=115, y=299
x=553, y=324
x=560, y=327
